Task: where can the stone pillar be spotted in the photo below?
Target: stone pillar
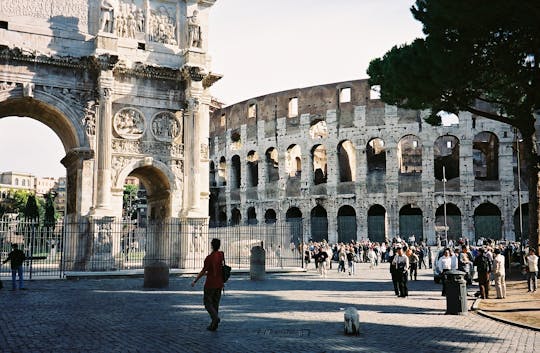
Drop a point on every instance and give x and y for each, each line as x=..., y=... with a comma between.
x=79, y=180
x=104, y=138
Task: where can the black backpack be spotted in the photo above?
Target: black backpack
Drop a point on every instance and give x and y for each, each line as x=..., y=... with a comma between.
x=483, y=264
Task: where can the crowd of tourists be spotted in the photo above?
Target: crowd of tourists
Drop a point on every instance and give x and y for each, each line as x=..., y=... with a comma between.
x=485, y=262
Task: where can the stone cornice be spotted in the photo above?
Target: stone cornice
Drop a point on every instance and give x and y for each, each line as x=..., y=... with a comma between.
x=193, y=73
x=210, y=79
x=148, y=71
x=18, y=54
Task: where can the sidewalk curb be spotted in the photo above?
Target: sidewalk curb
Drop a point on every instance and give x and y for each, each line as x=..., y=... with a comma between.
x=476, y=308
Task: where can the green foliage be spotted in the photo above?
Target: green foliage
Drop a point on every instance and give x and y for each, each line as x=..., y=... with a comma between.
x=480, y=56
x=31, y=209
x=49, y=217
x=130, y=200
x=475, y=53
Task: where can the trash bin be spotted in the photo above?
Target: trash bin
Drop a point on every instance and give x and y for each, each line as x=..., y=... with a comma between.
x=257, y=269
x=156, y=275
x=456, y=293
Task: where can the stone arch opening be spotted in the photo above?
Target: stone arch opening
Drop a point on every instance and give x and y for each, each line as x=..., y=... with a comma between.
x=222, y=172
x=346, y=222
x=486, y=161
x=212, y=174
x=158, y=191
x=294, y=156
x=453, y=221
x=56, y=115
x=446, y=163
x=293, y=217
x=377, y=223
x=236, y=217
x=272, y=165
x=252, y=169
x=236, y=172
x=487, y=222
x=294, y=171
x=252, y=216
x=411, y=222
x=521, y=231
x=347, y=161
x=319, y=224
x=319, y=161
x=409, y=153
x=376, y=165
x=270, y=216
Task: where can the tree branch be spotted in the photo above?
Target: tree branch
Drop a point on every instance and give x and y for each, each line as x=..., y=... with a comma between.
x=491, y=116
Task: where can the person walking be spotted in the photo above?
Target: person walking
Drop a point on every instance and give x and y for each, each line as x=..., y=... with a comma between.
x=413, y=262
x=499, y=274
x=214, y=282
x=17, y=257
x=401, y=265
x=532, y=270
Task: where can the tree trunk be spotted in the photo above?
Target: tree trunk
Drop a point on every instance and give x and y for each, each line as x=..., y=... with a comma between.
x=533, y=168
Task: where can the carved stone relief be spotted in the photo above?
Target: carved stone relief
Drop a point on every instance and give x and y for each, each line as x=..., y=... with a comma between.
x=177, y=168
x=162, y=25
x=71, y=12
x=204, y=151
x=130, y=19
x=129, y=123
x=6, y=86
x=194, y=31
x=121, y=146
x=89, y=119
x=118, y=164
x=166, y=126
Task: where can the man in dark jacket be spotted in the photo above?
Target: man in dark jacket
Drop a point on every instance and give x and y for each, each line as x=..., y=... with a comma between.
x=17, y=257
x=483, y=267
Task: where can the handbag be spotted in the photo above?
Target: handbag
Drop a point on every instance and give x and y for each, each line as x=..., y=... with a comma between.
x=225, y=271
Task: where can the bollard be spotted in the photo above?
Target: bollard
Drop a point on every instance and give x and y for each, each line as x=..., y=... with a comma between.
x=456, y=293
x=257, y=270
x=156, y=275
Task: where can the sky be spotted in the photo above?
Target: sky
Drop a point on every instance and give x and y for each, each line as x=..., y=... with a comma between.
x=260, y=47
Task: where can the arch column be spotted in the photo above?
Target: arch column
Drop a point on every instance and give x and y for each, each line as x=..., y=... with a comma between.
x=79, y=166
x=104, y=141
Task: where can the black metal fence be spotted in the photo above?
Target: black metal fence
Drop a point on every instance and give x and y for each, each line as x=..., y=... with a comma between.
x=109, y=244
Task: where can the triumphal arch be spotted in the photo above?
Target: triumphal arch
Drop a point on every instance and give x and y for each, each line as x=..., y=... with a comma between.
x=125, y=86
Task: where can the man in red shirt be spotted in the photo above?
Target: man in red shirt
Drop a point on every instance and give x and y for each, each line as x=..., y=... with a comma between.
x=214, y=282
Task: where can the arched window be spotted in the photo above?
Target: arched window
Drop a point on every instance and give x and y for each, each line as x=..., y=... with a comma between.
x=346, y=222
x=319, y=224
x=485, y=160
x=446, y=163
x=377, y=223
x=236, y=173
x=272, y=165
x=411, y=222
x=319, y=159
x=347, y=161
x=487, y=222
x=252, y=169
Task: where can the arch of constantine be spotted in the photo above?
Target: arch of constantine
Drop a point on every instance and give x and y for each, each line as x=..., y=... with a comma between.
x=125, y=86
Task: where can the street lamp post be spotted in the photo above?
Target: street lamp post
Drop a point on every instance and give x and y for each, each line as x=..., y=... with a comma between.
x=444, y=206
x=519, y=192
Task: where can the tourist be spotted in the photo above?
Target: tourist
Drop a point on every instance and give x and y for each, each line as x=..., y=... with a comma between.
x=413, y=262
x=350, y=260
x=401, y=265
x=446, y=263
x=483, y=267
x=465, y=261
x=499, y=274
x=531, y=262
x=214, y=282
x=17, y=257
x=342, y=257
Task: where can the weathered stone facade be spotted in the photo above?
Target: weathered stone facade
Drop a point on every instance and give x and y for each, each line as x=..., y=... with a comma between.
x=352, y=167
x=124, y=85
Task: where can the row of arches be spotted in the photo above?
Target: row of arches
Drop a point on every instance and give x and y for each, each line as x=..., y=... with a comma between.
x=409, y=155
x=487, y=221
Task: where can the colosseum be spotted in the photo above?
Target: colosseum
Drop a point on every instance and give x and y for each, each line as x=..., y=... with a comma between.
x=346, y=166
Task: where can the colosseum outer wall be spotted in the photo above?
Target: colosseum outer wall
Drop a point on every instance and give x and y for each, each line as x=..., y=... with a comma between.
x=337, y=152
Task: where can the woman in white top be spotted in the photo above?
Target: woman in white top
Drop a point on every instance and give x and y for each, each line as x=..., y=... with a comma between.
x=532, y=273
x=446, y=263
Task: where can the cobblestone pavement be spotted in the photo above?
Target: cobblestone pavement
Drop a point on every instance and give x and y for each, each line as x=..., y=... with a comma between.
x=298, y=312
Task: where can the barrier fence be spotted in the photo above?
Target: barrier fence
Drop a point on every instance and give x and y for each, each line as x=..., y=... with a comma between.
x=109, y=244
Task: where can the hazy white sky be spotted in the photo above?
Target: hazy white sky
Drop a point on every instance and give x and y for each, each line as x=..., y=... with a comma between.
x=260, y=47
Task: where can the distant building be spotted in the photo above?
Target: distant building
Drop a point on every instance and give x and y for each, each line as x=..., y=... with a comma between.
x=60, y=200
x=44, y=185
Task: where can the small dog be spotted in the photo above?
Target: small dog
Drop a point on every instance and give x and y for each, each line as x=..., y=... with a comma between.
x=352, y=321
